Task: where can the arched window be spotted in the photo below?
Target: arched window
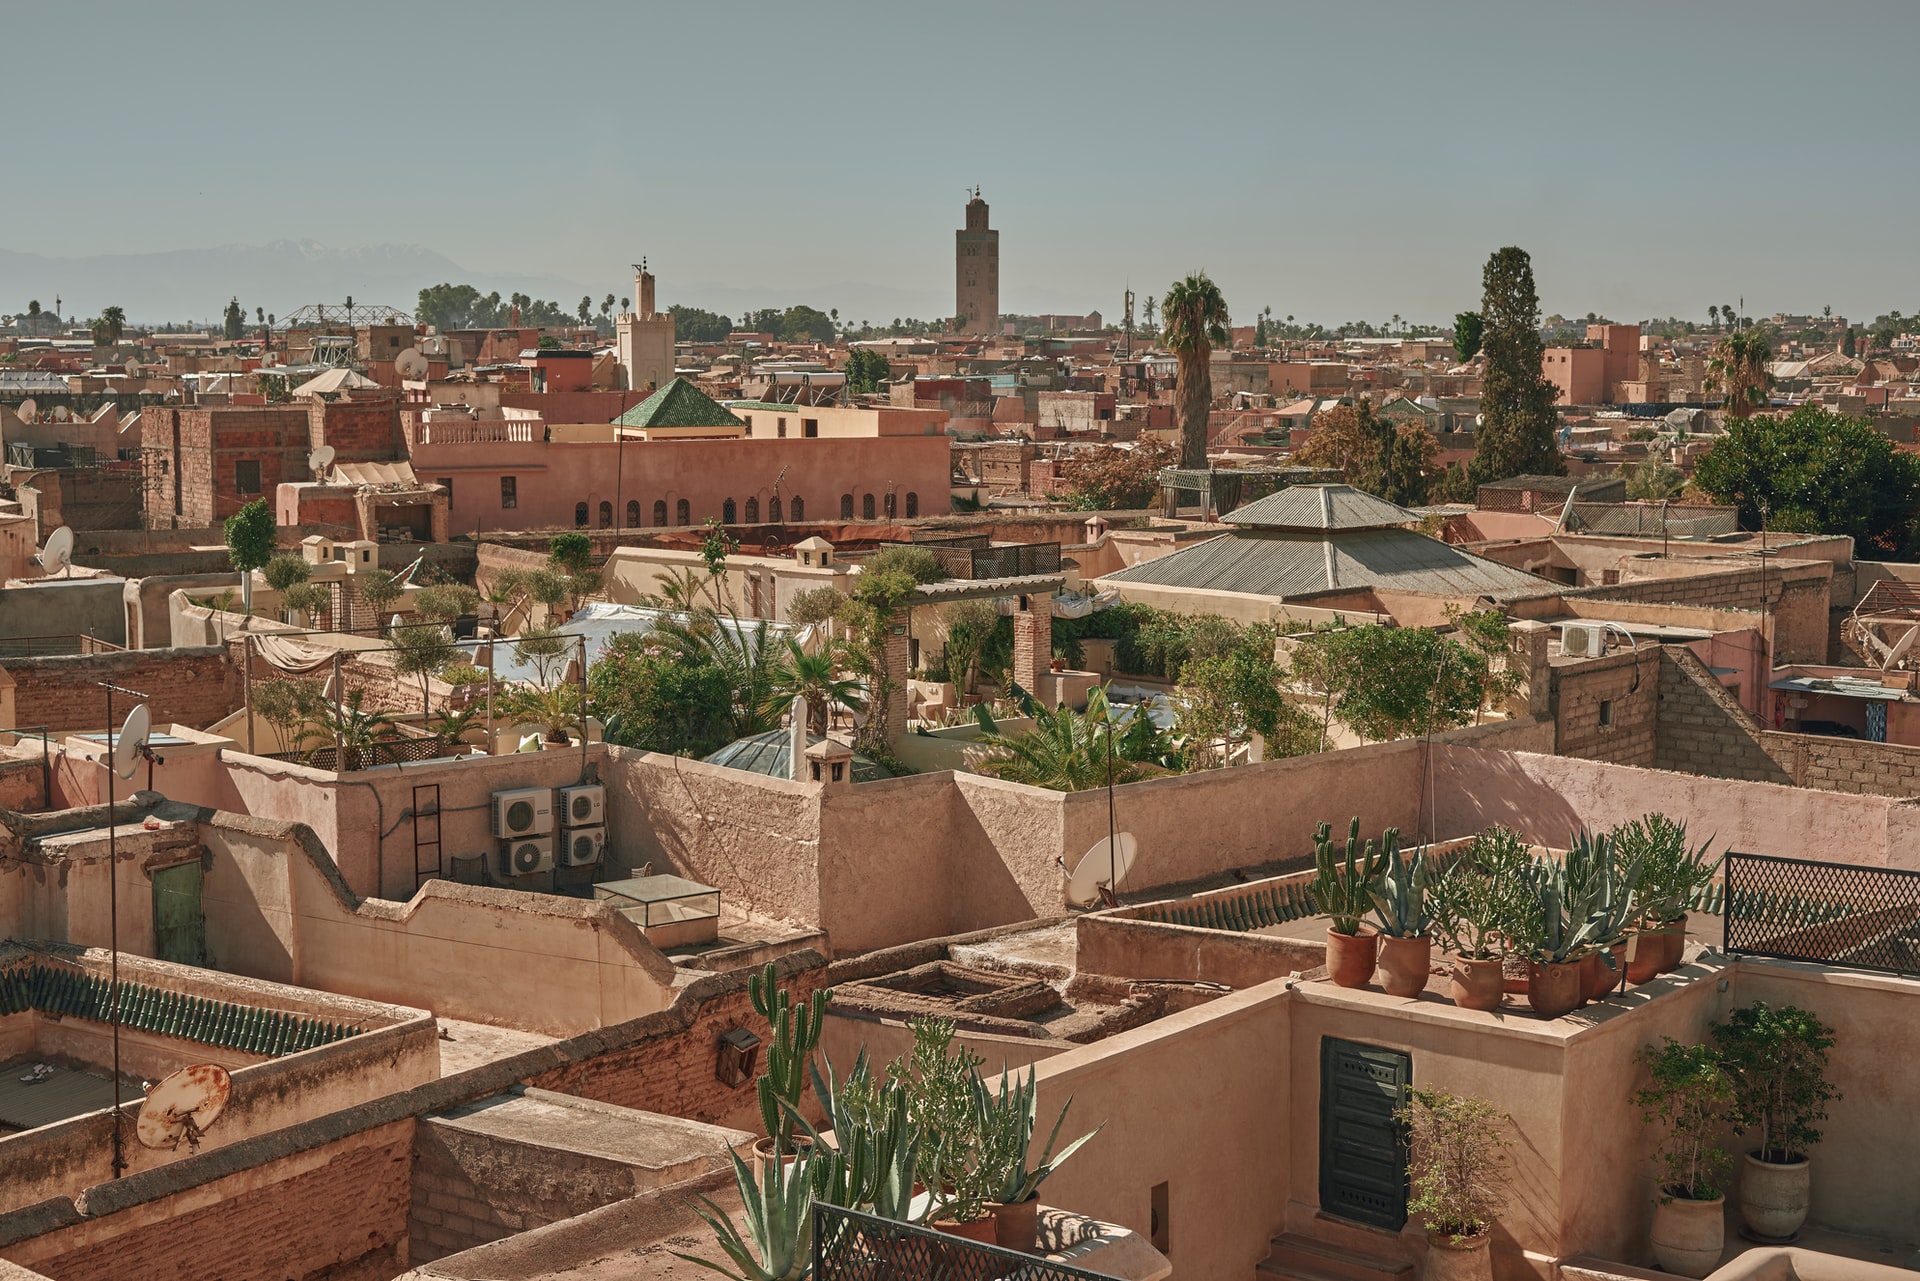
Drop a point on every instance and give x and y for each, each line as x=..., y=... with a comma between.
x=913, y=505
x=633, y=511
x=606, y=515
x=866, y=507
x=799, y=508
x=683, y=513
x=893, y=507
x=773, y=509
x=660, y=511
x=729, y=514
x=579, y=515
x=846, y=507
x=753, y=511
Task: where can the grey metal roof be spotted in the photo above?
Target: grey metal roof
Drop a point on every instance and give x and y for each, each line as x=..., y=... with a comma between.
x=1320, y=507
x=772, y=754
x=1299, y=563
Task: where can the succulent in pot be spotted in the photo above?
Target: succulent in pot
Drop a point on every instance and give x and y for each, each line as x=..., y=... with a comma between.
x=1672, y=874
x=1608, y=887
x=1008, y=1119
x=1403, y=907
x=1777, y=1061
x=1688, y=1101
x=1557, y=927
x=1340, y=892
x=1476, y=902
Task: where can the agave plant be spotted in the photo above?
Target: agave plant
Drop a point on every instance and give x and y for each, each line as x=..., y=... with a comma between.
x=1341, y=887
x=1402, y=900
x=1008, y=1117
x=777, y=1199
x=1561, y=921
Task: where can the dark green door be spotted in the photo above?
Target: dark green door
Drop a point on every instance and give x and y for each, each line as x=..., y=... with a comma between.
x=179, y=926
x=1363, y=1156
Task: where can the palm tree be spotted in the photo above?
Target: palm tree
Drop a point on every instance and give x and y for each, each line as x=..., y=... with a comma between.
x=815, y=678
x=115, y=319
x=1739, y=368
x=33, y=316
x=1065, y=751
x=1713, y=314
x=1194, y=317
x=1729, y=316
x=744, y=653
x=358, y=733
x=555, y=707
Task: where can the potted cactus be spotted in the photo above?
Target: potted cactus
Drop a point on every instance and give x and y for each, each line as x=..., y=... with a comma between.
x=1688, y=1101
x=1340, y=892
x=1475, y=904
x=1402, y=906
x=1557, y=927
x=789, y=1054
x=1456, y=1152
x=1671, y=873
x=1777, y=1061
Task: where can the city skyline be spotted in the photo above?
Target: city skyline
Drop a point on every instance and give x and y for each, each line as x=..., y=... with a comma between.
x=1333, y=165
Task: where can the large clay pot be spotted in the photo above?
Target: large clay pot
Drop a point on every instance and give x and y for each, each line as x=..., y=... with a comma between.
x=1350, y=957
x=1405, y=964
x=1554, y=989
x=1643, y=957
x=1468, y=1261
x=1689, y=1236
x=1675, y=945
x=1016, y=1224
x=1774, y=1197
x=1601, y=977
x=981, y=1229
x=1478, y=985
x=1589, y=964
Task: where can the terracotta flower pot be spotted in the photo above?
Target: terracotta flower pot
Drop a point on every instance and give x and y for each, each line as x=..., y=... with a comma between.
x=1589, y=964
x=1689, y=1236
x=1016, y=1224
x=1477, y=985
x=1470, y=1260
x=1350, y=957
x=1774, y=1197
x=1644, y=954
x=1554, y=989
x=1601, y=977
x=1405, y=964
x=981, y=1229
x=1675, y=945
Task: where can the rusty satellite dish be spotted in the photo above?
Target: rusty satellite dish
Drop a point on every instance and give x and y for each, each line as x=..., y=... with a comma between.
x=183, y=1106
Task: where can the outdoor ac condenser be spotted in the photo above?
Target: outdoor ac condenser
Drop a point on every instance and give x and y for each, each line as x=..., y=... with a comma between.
x=582, y=846
x=526, y=857
x=523, y=811
x=1583, y=640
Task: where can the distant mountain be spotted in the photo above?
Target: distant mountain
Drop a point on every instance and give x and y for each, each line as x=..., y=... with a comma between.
x=194, y=284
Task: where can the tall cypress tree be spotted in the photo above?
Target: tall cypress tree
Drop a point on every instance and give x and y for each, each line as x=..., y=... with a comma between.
x=1519, y=427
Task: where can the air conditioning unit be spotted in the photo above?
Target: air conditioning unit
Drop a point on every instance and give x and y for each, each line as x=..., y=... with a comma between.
x=1583, y=640
x=524, y=811
x=583, y=806
x=582, y=846
x=526, y=857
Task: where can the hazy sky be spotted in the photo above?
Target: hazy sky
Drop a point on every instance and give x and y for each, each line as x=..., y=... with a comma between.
x=1334, y=161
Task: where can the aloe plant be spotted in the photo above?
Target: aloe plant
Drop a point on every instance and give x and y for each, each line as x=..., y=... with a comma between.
x=1340, y=888
x=1608, y=879
x=1008, y=1118
x=795, y=1033
x=1402, y=900
x=777, y=1243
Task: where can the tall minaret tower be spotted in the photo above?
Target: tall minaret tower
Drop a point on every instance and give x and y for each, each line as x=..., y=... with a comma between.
x=644, y=337
x=976, y=271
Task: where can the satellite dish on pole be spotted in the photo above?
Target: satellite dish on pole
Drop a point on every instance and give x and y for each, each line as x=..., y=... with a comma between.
x=184, y=1105
x=58, y=413
x=29, y=410
x=319, y=460
x=1104, y=866
x=410, y=364
x=131, y=738
x=57, y=555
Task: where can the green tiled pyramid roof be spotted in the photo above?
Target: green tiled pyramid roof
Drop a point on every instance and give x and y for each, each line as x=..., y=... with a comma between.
x=679, y=404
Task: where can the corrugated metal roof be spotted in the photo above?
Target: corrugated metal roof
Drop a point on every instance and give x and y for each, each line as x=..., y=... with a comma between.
x=1286, y=564
x=1318, y=507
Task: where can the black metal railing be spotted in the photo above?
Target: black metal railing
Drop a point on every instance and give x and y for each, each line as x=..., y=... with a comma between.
x=1796, y=909
x=851, y=1246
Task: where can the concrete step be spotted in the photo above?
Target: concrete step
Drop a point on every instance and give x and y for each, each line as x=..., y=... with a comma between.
x=1302, y=1258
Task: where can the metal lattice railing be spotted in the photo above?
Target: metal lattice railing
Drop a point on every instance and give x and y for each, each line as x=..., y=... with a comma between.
x=851, y=1246
x=1798, y=909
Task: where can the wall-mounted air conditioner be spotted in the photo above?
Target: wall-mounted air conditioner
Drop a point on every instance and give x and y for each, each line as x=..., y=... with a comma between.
x=583, y=806
x=582, y=846
x=525, y=857
x=1583, y=640
x=523, y=811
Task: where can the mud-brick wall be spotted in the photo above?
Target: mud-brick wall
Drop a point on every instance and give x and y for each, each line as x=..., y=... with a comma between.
x=192, y=686
x=359, y=431
x=338, y=1211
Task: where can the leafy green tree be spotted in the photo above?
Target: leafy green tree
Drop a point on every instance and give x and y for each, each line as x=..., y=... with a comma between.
x=1467, y=331
x=1194, y=320
x=694, y=324
x=649, y=698
x=420, y=652
x=1813, y=471
x=444, y=602
x=1226, y=697
x=236, y=319
x=1392, y=460
x=312, y=599
x=285, y=570
x=250, y=538
x=1387, y=683
x=1739, y=368
x=379, y=589
x=970, y=625
x=866, y=371
x=1113, y=478
x=1519, y=427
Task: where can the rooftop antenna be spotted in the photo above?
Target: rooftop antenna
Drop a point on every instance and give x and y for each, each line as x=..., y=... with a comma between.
x=183, y=1105
x=319, y=460
x=57, y=556
x=122, y=758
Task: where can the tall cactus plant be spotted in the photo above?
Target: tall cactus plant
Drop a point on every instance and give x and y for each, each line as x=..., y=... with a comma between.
x=789, y=1052
x=1402, y=901
x=1340, y=888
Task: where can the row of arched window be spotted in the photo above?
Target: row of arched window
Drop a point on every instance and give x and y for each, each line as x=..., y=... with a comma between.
x=890, y=505
x=729, y=513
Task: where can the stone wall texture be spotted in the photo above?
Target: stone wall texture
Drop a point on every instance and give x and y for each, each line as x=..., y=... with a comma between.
x=193, y=687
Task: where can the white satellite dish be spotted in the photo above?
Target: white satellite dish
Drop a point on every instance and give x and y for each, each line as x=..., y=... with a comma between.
x=29, y=410
x=183, y=1105
x=133, y=369
x=319, y=460
x=57, y=555
x=132, y=737
x=58, y=413
x=410, y=364
x=1101, y=868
